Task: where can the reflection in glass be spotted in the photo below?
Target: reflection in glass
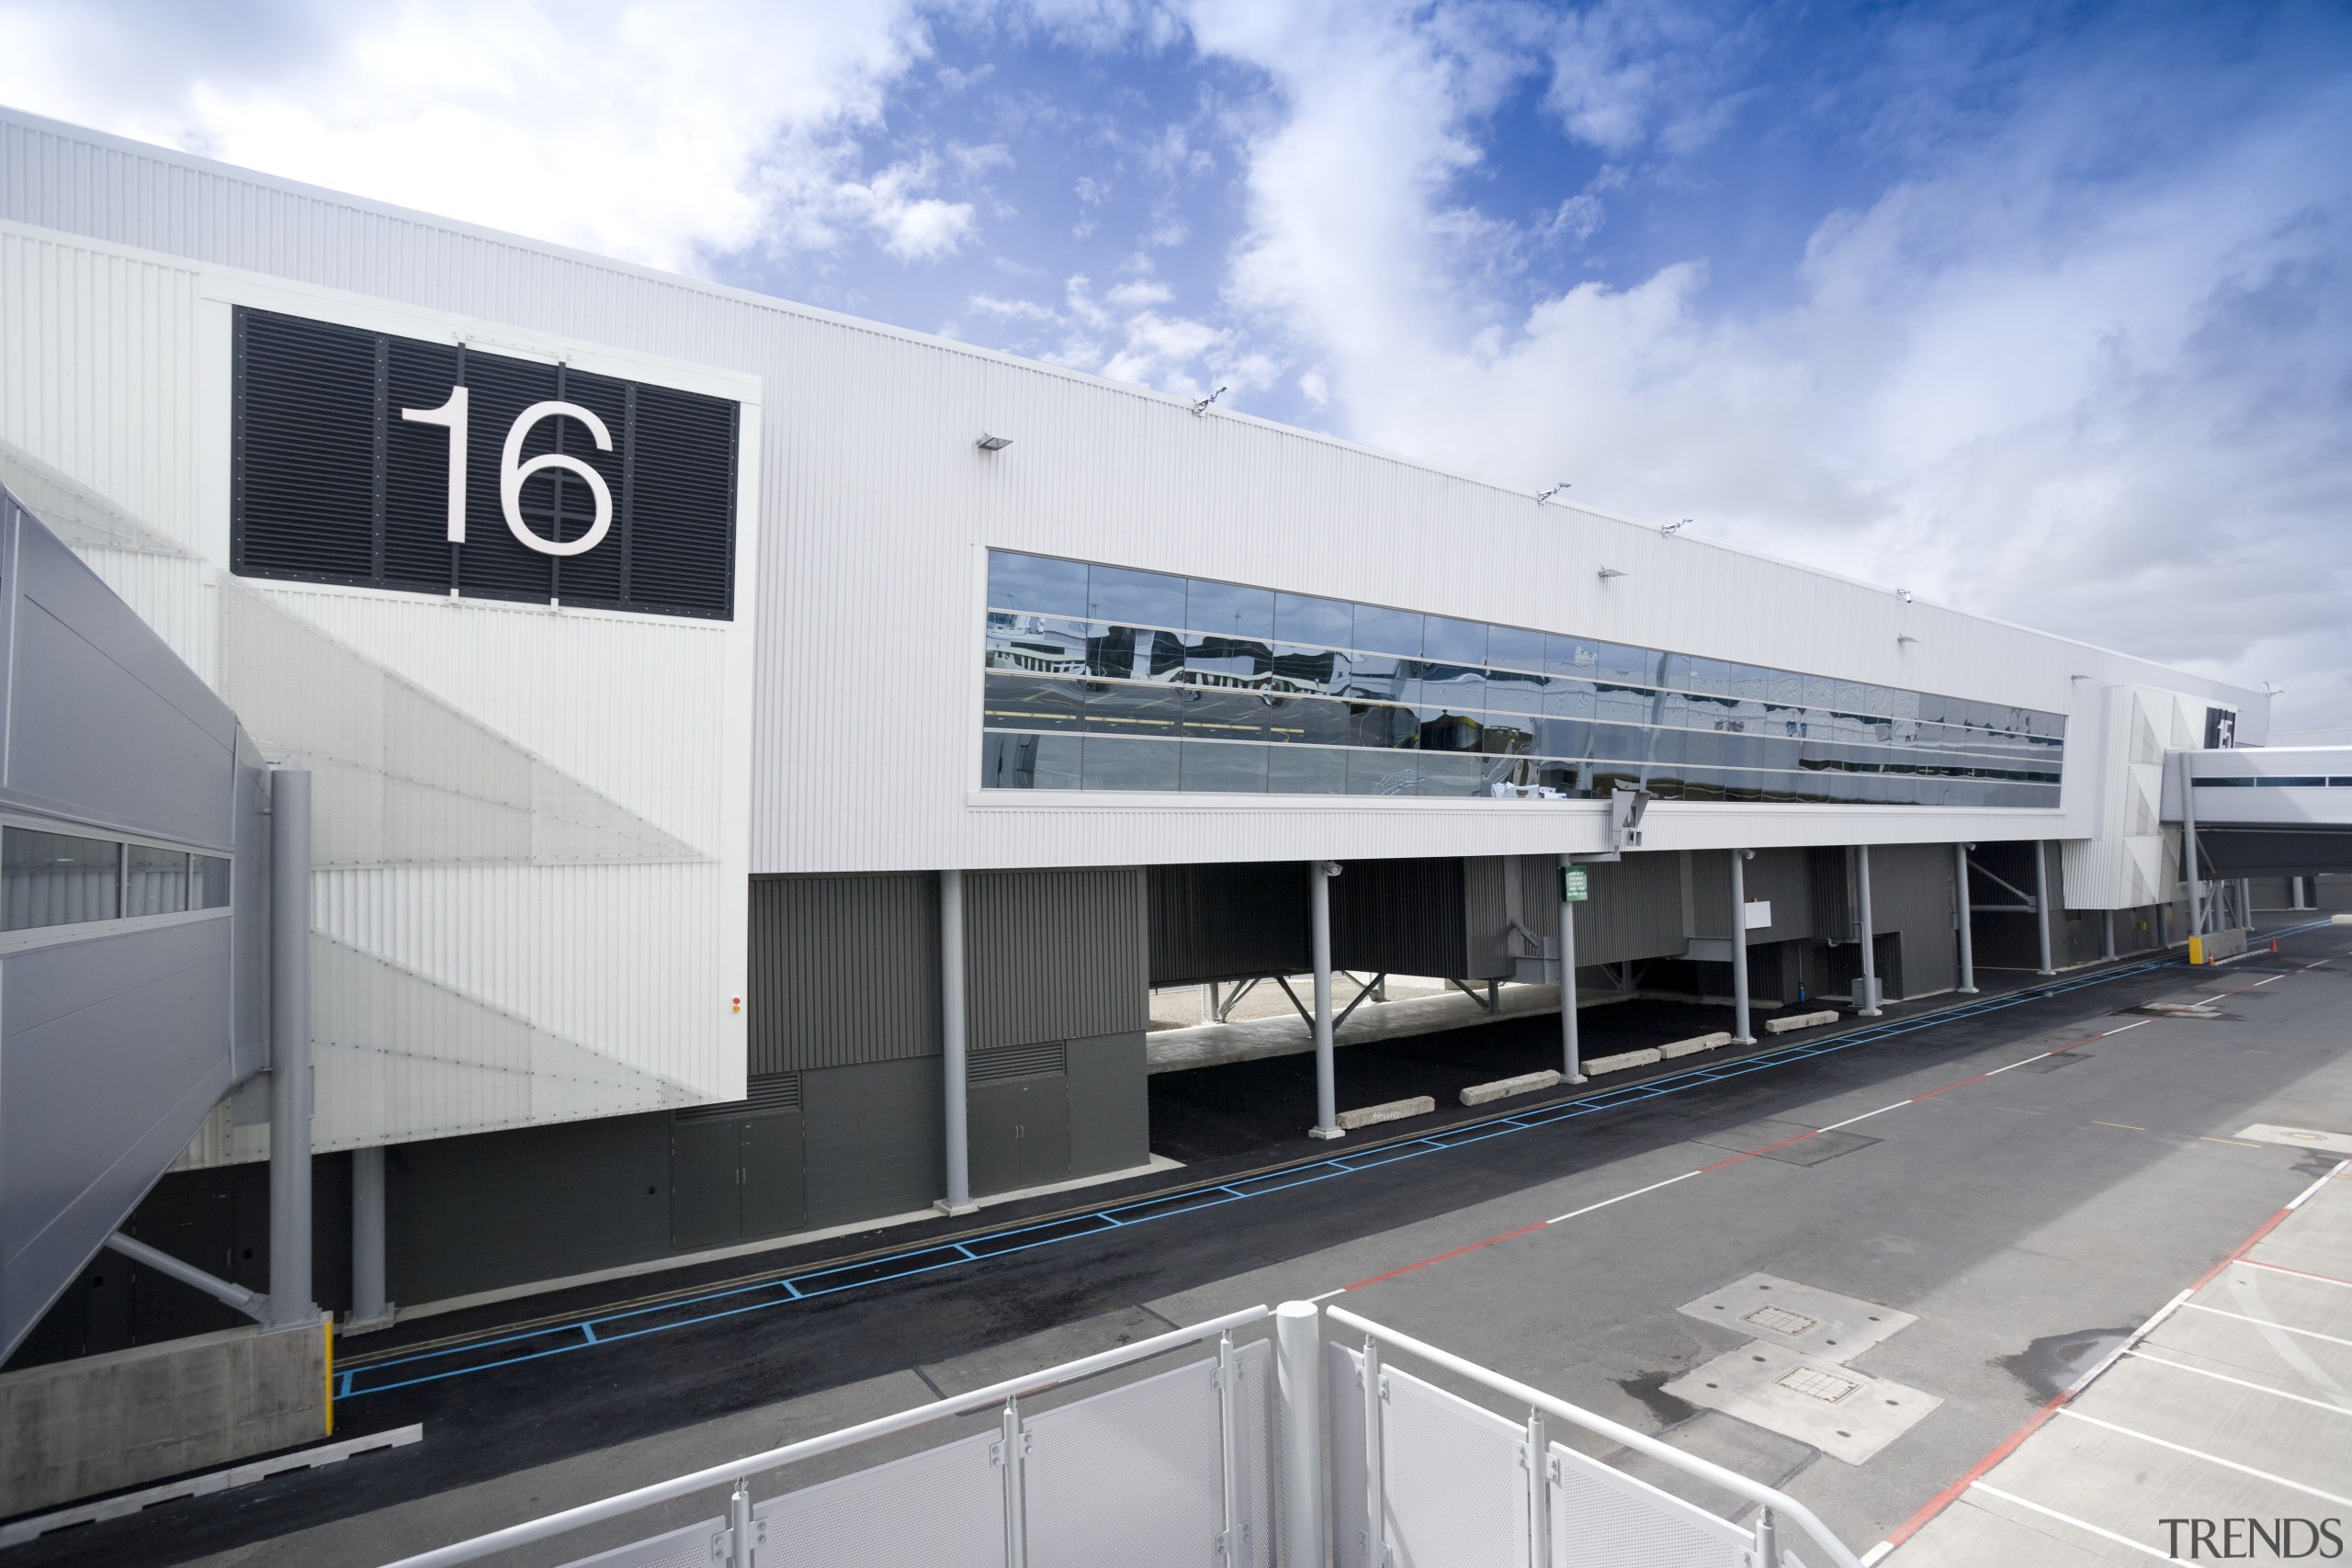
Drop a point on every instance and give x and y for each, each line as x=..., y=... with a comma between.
x=1224, y=770
x=1383, y=630
x=1377, y=773
x=1038, y=583
x=1228, y=716
x=1030, y=702
x=1138, y=598
x=1221, y=661
x=211, y=881
x=156, y=882
x=1116, y=763
x=1455, y=642
x=1227, y=609
x=1300, y=617
x=55, y=879
x=1510, y=647
x=1041, y=645
x=1455, y=775
x=1306, y=770
x=1136, y=708
x=1029, y=762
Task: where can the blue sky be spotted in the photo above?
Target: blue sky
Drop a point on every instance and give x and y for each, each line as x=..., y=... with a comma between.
x=2040, y=310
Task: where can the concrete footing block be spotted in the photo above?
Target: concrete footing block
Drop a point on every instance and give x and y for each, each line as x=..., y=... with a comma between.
x=1503, y=1088
x=1800, y=1020
x=2339, y=920
x=1395, y=1111
x=1623, y=1060
x=1695, y=1044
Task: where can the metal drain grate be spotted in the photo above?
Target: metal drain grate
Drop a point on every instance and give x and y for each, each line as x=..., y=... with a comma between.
x=1781, y=1320
x=1814, y=1383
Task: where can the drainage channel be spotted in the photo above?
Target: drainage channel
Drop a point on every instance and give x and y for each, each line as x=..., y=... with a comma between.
x=355, y=1379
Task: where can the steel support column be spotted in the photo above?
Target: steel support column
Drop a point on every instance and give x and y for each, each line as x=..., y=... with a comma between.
x=1967, y=928
x=2107, y=933
x=2042, y=903
x=2188, y=856
x=289, y=1050
x=1326, y=1092
x=1571, y=1048
x=367, y=1303
x=1869, y=935
x=1298, y=1373
x=952, y=1044
x=1739, y=1030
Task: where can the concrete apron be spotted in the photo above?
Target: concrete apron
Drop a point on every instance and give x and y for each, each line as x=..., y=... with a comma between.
x=102, y=1423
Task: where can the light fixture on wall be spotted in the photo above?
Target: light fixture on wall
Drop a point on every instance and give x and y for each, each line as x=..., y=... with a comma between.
x=987, y=442
x=1670, y=529
x=1200, y=405
x=1904, y=595
x=1543, y=495
x=1902, y=638
x=1609, y=571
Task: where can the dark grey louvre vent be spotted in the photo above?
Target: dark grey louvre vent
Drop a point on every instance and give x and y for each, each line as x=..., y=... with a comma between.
x=1016, y=1061
x=331, y=484
x=768, y=1094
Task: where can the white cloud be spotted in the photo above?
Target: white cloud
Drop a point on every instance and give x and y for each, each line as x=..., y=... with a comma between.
x=653, y=131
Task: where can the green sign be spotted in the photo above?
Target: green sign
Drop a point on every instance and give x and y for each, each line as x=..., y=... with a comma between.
x=1572, y=884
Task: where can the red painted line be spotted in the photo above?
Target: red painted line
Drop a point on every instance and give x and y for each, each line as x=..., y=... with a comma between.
x=1442, y=1257
x=2281, y=1268
x=1943, y=1499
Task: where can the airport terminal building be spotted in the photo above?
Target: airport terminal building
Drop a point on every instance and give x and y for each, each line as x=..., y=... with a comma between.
x=673, y=665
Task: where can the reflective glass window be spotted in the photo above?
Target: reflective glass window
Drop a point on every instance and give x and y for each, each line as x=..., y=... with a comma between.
x=1570, y=656
x=1709, y=675
x=1306, y=770
x=1029, y=762
x=1312, y=721
x=1300, y=617
x=1208, y=767
x=1459, y=686
x=1569, y=699
x=1118, y=763
x=1381, y=773
x=1385, y=727
x=1030, y=702
x=1508, y=691
x=1620, y=742
x=1036, y=582
x=1564, y=736
x=211, y=881
x=1297, y=668
x=1383, y=630
x=156, y=882
x=1456, y=777
x=1619, y=662
x=1223, y=660
x=56, y=879
x=1455, y=642
x=1042, y=645
x=1136, y=708
x=1227, y=716
x=1512, y=648
x=1445, y=731
x=1229, y=610
x=1136, y=654
x=1378, y=678
x=1137, y=597
x=1507, y=735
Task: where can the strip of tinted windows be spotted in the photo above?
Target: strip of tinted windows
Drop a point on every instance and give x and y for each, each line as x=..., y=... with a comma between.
x=64, y=879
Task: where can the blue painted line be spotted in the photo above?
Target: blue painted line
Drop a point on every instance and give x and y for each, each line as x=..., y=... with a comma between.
x=785, y=1289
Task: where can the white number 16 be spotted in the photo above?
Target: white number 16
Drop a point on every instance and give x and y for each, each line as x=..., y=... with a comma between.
x=451, y=416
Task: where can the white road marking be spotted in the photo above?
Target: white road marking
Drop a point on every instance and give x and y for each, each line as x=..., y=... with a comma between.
x=2259, y=1388
x=1653, y=1186
x=2209, y=1459
x=2298, y=1273
x=2070, y=1519
x=2259, y=1323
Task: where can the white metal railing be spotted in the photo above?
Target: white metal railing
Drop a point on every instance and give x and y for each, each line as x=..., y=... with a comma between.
x=735, y=1542
x=1773, y=1504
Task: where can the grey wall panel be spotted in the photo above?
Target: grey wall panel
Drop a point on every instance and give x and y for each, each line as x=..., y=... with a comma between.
x=467, y=1214
x=873, y=1140
x=105, y=724
x=1228, y=921
x=1486, y=919
x=1829, y=875
x=1402, y=916
x=1110, y=1107
x=1911, y=892
x=1632, y=907
x=1056, y=955
x=112, y=1052
x=844, y=969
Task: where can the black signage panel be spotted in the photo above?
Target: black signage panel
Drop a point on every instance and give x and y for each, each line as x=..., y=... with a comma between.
x=2221, y=729
x=360, y=457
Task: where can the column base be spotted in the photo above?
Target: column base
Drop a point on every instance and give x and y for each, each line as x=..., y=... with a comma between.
x=1743, y=1040
x=1869, y=1012
x=1966, y=991
x=1326, y=1133
x=1575, y=1077
x=944, y=1207
x=383, y=1319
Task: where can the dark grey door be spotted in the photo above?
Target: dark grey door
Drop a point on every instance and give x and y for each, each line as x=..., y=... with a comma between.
x=706, y=1183
x=1018, y=1133
x=1044, y=1135
x=775, y=1197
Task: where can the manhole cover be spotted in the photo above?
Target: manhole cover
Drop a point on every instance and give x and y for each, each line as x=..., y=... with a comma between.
x=1781, y=1320
x=1814, y=1383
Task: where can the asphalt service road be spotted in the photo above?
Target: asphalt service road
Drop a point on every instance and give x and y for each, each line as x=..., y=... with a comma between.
x=2023, y=1180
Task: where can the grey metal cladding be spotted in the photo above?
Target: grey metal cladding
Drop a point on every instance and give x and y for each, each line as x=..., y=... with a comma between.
x=1634, y=910
x=1830, y=875
x=844, y=969
x=873, y=1143
x=1486, y=919
x=1401, y=916
x=106, y=725
x=1228, y=921
x=1781, y=878
x=1055, y=954
x=466, y=1214
x=1911, y=892
x=112, y=1052
x=1110, y=1108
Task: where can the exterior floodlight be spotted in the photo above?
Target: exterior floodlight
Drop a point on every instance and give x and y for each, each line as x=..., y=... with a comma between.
x=1609, y=571
x=1200, y=405
x=1904, y=595
x=987, y=442
x=1543, y=495
x=1901, y=638
x=1670, y=529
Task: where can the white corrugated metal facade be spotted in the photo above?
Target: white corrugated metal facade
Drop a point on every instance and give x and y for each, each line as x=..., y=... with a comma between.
x=834, y=724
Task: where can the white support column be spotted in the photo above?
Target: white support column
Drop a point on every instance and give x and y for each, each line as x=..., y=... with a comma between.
x=2189, y=869
x=1571, y=1048
x=2041, y=902
x=1740, y=1034
x=1298, y=1371
x=290, y=1301
x=1868, y=935
x=955, y=1084
x=2295, y=893
x=1967, y=930
x=1326, y=1092
x=368, y=1303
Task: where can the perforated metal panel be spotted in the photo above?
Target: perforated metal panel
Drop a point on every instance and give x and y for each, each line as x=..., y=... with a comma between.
x=939, y=1508
x=1456, y=1479
x=1134, y=1476
x=686, y=1547
x=1343, y=1392
x=1601, y=1517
